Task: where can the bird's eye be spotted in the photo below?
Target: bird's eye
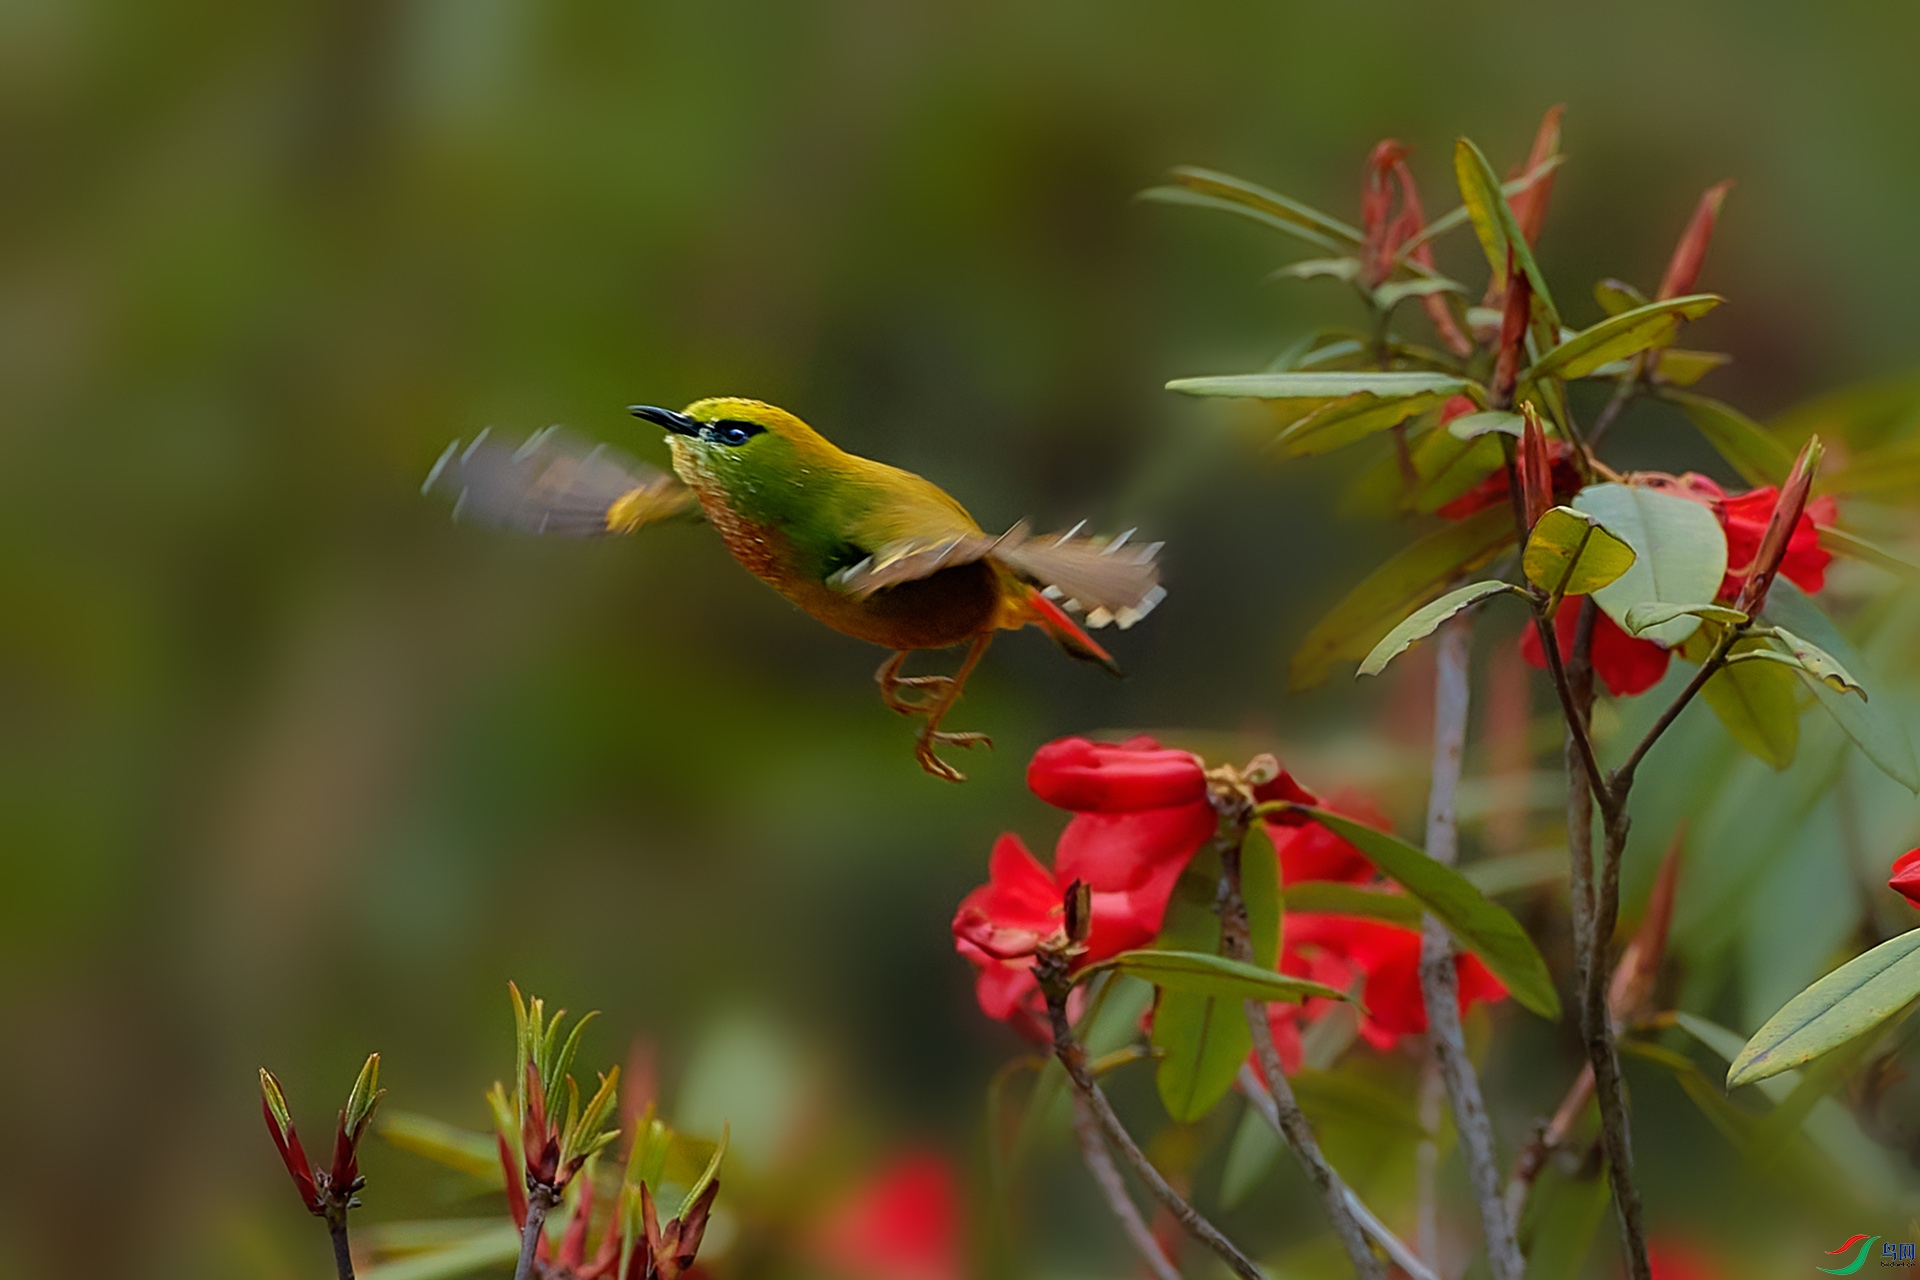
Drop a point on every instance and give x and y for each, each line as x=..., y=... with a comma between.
x=732, y=433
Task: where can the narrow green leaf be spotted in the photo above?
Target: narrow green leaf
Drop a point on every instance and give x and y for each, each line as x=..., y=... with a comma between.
x=276, y=1101
x=1516, y=871
x=708, y=1174
x=1734, y=1124
x=1617, y=296
x=1470, y=426
x=1760, y=456
x=1816, y=662
x=1202, y=1040
x=1477, y=924
x=1678, y=368
x=1206, y=974
x=1427, y=619
x=1394, y=292
x=1643, y=617
x=1842, y=543
x=1201, y=200
x=1459, y=214
x=1340, y=423
x=1847, y=1003
x=1680, y=554
x=1325, y=386
x=1779, y=1125
x=1499, y=233
x=1570, y=553
x=1254, y=1149
x=456, y=1148
x=1315, y=268
x=1759, y=705
x=1272, y=203
x=1621, y=336
x=1877, y=728
x=1419, y=573
x=365, y=1094
x=1328, y=897
x=486, y=1250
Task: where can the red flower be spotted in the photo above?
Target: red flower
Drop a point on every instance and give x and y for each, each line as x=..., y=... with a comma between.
x=1492, y=491
x=1745, y=520
x=1101, y=777
x=1672, y=1260
x=1626, y=664
x=1311, y=852
x=903, y=1224
x=1382, y=961
x=1906, y=876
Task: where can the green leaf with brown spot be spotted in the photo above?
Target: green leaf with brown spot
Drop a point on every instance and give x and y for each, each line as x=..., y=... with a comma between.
x=1570, y=553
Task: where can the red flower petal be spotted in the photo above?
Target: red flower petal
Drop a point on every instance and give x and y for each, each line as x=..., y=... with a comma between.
x=1906, y=877
x=1101, y=777
x=904, y=1224
x=1626, y=665
x=1311, y=852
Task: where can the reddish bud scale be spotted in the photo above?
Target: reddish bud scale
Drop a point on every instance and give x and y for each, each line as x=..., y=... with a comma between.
x=1535, y=468
x=294, y=1157
x=1530, y=204
x=1781, y=526
x=1683, y=269
x=1514, y=317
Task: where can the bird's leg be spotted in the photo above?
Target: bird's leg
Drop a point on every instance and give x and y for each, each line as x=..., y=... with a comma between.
x=938, y=704
x=891, y=682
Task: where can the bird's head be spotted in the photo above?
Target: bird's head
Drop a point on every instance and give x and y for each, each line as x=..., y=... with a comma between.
x=731, y=442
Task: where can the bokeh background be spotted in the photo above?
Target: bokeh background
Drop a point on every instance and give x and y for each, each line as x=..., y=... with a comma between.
x=292, y=768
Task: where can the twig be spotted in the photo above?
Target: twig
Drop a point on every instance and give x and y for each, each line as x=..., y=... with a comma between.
x=1621, y=779
x=1407, y=1259
x=342, y=1254
x=1236, y=944
x=1624, y=394
x=539, y=1199
x=1050, y=969
x=1439, y=980
x=1100, y=1164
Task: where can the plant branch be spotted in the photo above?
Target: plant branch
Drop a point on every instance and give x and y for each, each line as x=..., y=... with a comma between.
x=1439, y=979
x=1051, y=971
x=1100, y=1164
x=1624, y=393
x=342, y=1254
x=1236, y=944
x=540, y=1198
x=1622, y=778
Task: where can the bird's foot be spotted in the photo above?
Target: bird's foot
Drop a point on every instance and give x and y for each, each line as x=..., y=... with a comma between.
x=932, y=691
x=933, y=764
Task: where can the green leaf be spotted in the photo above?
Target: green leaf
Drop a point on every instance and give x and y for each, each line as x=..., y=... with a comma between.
x=1759, y=705
x=1570, y=553
x=454, y=1147
x=1251, y=199
x=1460, y=214
x=1469, y=426
x=1876, y=728
x=1759, y=456
x=1207, y=974
x=1847, y=1003
x=365, y=1094
x=1733, y=1123
x=1678, y=368
x=1477, y=924
x=1681, y=554
x=1419, y=573
x=1815, y=661
x=1617, y=296
x=1325, y=386
x=1202, y=1040
x=1394, y=292
x=1564, y=1214
x=1842, y=543
x=708, y=1174
x=1340, y=423
x=1201, y=200
x=1777, y=1129
x=1621, y=336
x=1645, y=616
x=1254, y=1149
x=1516, y=871
x=484, y=1250
x=1316, y=268
x=1499, y=233
x=1424, y=621
x=1329, y=897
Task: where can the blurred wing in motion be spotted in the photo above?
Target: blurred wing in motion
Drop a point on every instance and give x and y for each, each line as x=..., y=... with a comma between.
x=907, y=561
x=1109, y=580
x=555, y=483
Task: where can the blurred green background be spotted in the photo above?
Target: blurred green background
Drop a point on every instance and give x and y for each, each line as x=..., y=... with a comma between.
x=292, y=768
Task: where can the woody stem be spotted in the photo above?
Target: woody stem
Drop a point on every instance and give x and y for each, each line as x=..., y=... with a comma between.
x=1099, y=1163
x=1237, y=944
x=540, y=1198
x=1051, y=973
x=1439, y=979
x=342, y=1254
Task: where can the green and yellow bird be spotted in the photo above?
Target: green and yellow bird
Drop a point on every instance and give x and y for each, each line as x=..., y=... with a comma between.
x=870, y=550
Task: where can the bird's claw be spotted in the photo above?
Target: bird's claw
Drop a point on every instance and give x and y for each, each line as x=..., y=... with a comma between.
x=933, y=764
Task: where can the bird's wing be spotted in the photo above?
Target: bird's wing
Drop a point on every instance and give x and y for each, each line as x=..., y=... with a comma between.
x=1111, y=580
x=555, y=483
x=906, y=560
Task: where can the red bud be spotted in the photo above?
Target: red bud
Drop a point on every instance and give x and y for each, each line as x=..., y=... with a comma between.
x=1787, y=509
x=1514, y=319
x=1535, y=465
x=286, y=1140
x=1684, y=267
x=1530, y=204
x=1906, y=876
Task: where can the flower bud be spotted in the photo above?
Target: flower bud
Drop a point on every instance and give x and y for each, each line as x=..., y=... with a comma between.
x=1787, y=509
x=1684, y=267
x=1514, y=317
x=1100, y=777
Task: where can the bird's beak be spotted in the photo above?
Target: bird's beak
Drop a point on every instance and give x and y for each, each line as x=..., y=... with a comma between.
x=672, y=420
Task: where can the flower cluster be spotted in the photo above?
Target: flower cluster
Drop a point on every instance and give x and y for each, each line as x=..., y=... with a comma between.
x=1141, y=812
x=1629, y=665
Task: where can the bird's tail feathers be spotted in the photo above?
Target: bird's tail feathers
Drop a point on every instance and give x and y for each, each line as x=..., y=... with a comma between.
x=1066, y=633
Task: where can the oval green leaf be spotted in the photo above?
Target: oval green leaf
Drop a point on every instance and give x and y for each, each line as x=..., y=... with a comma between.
x=1680, y=554
x=1424, y=621
x=1419, y=573
x=1204, y=974
x=1849, y=1002
x=1471, y=426
x=1570, y=553
x=1618, y=337
x=1759, y=704
x=1818, y=663
x=1482, y=927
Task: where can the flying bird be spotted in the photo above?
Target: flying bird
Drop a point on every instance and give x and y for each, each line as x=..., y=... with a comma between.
x=871, y=550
